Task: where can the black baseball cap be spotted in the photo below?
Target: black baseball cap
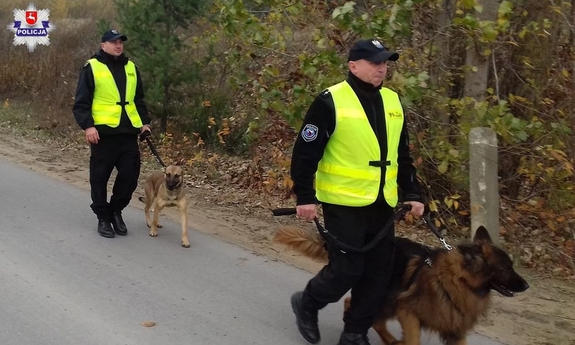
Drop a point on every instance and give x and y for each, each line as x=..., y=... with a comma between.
x=112, y=35
x=371, y=50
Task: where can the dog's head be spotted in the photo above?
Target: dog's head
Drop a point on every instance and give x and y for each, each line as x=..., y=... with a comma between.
x=490, y=266
x=174, y=176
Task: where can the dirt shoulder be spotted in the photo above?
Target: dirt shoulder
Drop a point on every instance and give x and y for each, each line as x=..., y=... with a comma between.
x=545, y=314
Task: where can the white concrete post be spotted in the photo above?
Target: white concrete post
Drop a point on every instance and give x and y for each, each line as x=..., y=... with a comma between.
x=483, y=181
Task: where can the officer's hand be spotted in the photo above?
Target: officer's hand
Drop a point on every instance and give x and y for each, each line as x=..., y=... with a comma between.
x=307, y=212
x=416, y=208
x=145, y=128
x=145, y=132
x=92, y=135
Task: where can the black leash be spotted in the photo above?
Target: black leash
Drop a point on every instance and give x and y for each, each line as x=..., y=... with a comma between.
x=146, y=136
x=436, y=232
x=332, y=240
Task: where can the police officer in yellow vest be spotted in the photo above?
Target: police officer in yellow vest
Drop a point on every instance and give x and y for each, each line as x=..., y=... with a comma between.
x=354, y=140
x=110, y=108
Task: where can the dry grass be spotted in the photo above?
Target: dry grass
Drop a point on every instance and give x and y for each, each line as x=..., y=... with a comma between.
x=47, y=77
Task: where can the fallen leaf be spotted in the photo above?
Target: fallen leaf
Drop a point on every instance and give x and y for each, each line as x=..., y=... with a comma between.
x=148, y=323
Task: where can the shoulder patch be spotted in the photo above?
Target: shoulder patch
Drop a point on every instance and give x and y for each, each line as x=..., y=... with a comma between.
x=309, y=132
x=86, y=64
x=324, y=93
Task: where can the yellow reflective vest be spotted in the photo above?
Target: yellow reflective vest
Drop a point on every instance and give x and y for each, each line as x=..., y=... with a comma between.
x=345, y=176
x=106, y=105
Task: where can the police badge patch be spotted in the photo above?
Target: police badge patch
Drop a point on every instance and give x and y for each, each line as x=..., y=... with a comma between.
x=377, y=44
x=309, y=133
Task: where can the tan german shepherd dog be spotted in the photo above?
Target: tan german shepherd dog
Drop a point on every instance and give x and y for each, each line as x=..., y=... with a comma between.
x=166, y=189
x=445, y=292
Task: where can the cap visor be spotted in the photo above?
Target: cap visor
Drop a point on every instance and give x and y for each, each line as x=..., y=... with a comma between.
x=383, y=56
x=118, y=37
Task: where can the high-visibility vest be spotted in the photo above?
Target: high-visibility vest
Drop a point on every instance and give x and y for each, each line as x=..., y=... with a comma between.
x=106, y=105
x=344, y=175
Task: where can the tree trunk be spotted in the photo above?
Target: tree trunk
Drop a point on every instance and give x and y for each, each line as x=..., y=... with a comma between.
x=477, y=65
x=164, y=121
x=165, y=108
x=443, y=58
x=572, y=45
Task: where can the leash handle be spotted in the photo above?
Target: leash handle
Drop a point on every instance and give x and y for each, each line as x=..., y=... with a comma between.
x=144, y=135
x=288, y=211
x=401, y=211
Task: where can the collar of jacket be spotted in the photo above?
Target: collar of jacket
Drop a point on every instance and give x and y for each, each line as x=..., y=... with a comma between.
x=108, y=59
x=366, y=89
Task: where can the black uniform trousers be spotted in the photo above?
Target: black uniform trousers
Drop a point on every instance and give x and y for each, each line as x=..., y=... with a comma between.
x=368, y=275
x=119, y=151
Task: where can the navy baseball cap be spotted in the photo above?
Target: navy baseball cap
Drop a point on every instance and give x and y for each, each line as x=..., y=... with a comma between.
x=112, y=35
x=371, y=50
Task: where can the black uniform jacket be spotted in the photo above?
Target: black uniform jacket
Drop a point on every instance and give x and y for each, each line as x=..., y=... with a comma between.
x=307, y=154
x=85, y=94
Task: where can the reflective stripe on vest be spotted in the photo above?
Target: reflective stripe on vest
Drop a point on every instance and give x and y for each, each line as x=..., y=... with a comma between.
x=106, y=109
x=344, y=176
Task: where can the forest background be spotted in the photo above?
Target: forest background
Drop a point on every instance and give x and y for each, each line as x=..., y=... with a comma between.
x=228, y=83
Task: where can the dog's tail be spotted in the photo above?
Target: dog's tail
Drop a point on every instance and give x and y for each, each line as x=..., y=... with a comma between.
x=308, y=243
x=142, y=199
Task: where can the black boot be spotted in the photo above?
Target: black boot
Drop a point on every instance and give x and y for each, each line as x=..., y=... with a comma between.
x=306, y=318
x=118, y=224
x=105, y=228
x=353, y=339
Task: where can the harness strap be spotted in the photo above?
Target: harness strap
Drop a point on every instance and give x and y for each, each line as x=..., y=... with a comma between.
x=420, y=265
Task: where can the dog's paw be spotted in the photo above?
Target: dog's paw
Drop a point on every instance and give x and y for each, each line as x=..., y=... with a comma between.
x=160, y=226
x=153, y=234
x=185, y=245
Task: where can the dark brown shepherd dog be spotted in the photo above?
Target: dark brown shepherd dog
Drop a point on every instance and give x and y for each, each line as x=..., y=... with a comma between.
x=441, y=291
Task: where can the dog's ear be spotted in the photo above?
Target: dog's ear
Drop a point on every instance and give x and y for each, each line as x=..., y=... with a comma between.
x=472, y=257
x=482, y=235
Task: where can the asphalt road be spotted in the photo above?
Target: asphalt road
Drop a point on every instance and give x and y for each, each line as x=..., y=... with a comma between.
x=61, y=283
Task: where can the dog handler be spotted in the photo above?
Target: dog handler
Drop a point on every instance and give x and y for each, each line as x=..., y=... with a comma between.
x=354, y=140
x=110, y=108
